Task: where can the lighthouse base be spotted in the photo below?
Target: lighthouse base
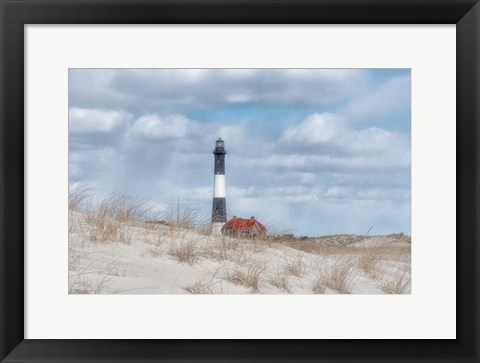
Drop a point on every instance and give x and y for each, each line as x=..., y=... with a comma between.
x=219, y=210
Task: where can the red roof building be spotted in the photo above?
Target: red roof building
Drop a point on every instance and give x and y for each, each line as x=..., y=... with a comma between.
x=240, y=226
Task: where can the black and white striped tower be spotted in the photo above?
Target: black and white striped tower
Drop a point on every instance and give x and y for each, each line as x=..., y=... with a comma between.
x=219, y=210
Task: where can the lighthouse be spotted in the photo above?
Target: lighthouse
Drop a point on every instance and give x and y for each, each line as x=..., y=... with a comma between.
x=219, y=209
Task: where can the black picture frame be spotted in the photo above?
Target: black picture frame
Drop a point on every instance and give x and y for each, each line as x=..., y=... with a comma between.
x=17, y=13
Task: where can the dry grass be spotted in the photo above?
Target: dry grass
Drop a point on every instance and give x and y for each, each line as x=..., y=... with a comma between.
x=185, y=252
x=222, y=248
x=200, y=287
x=124, y=234
x=206, y=229
x=84, y=282
x=83, y=285
x=112, y=220
x=397, y=253
x=155, y=251
x=188, y=215
x=121, y=220
x=242, y=255
x=368, y=261
x=86, y=285
x=319, y=287
x=78, y=195
x=397, y=285
x=103, y=225
x=77, y=198
x=339, y=277
x=156, y=241
x=295, y=266
x=280, y=281
x=75, y=225
x=127, y=209
x=249, y=276
x=73, y=258
x=152, y=237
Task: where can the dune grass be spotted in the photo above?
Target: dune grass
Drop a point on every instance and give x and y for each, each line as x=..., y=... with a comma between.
x=264, y=264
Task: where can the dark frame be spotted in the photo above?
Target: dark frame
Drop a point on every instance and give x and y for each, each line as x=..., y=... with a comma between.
x=16, y=13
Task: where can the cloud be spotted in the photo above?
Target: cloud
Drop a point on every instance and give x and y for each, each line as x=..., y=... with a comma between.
x=327, y=140
x=317, y=129
x=238, y=98
x=183, y=90
x=302, y=193
x=154, y=127
x=100, y=165
x=92, y=88
x=82, y=120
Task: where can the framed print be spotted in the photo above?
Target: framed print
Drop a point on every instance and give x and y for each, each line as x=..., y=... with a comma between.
x=239, y=181
x=192, y=236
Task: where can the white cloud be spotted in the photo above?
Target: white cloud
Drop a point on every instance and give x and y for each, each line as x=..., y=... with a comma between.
x=238, y=98
x=341, y=145
x=82, y=120
x=155, y=127
x=104, y=167
x=183, y=90
x=316, y=129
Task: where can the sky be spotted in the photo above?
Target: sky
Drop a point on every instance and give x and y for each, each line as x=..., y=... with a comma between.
x=309, y=151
